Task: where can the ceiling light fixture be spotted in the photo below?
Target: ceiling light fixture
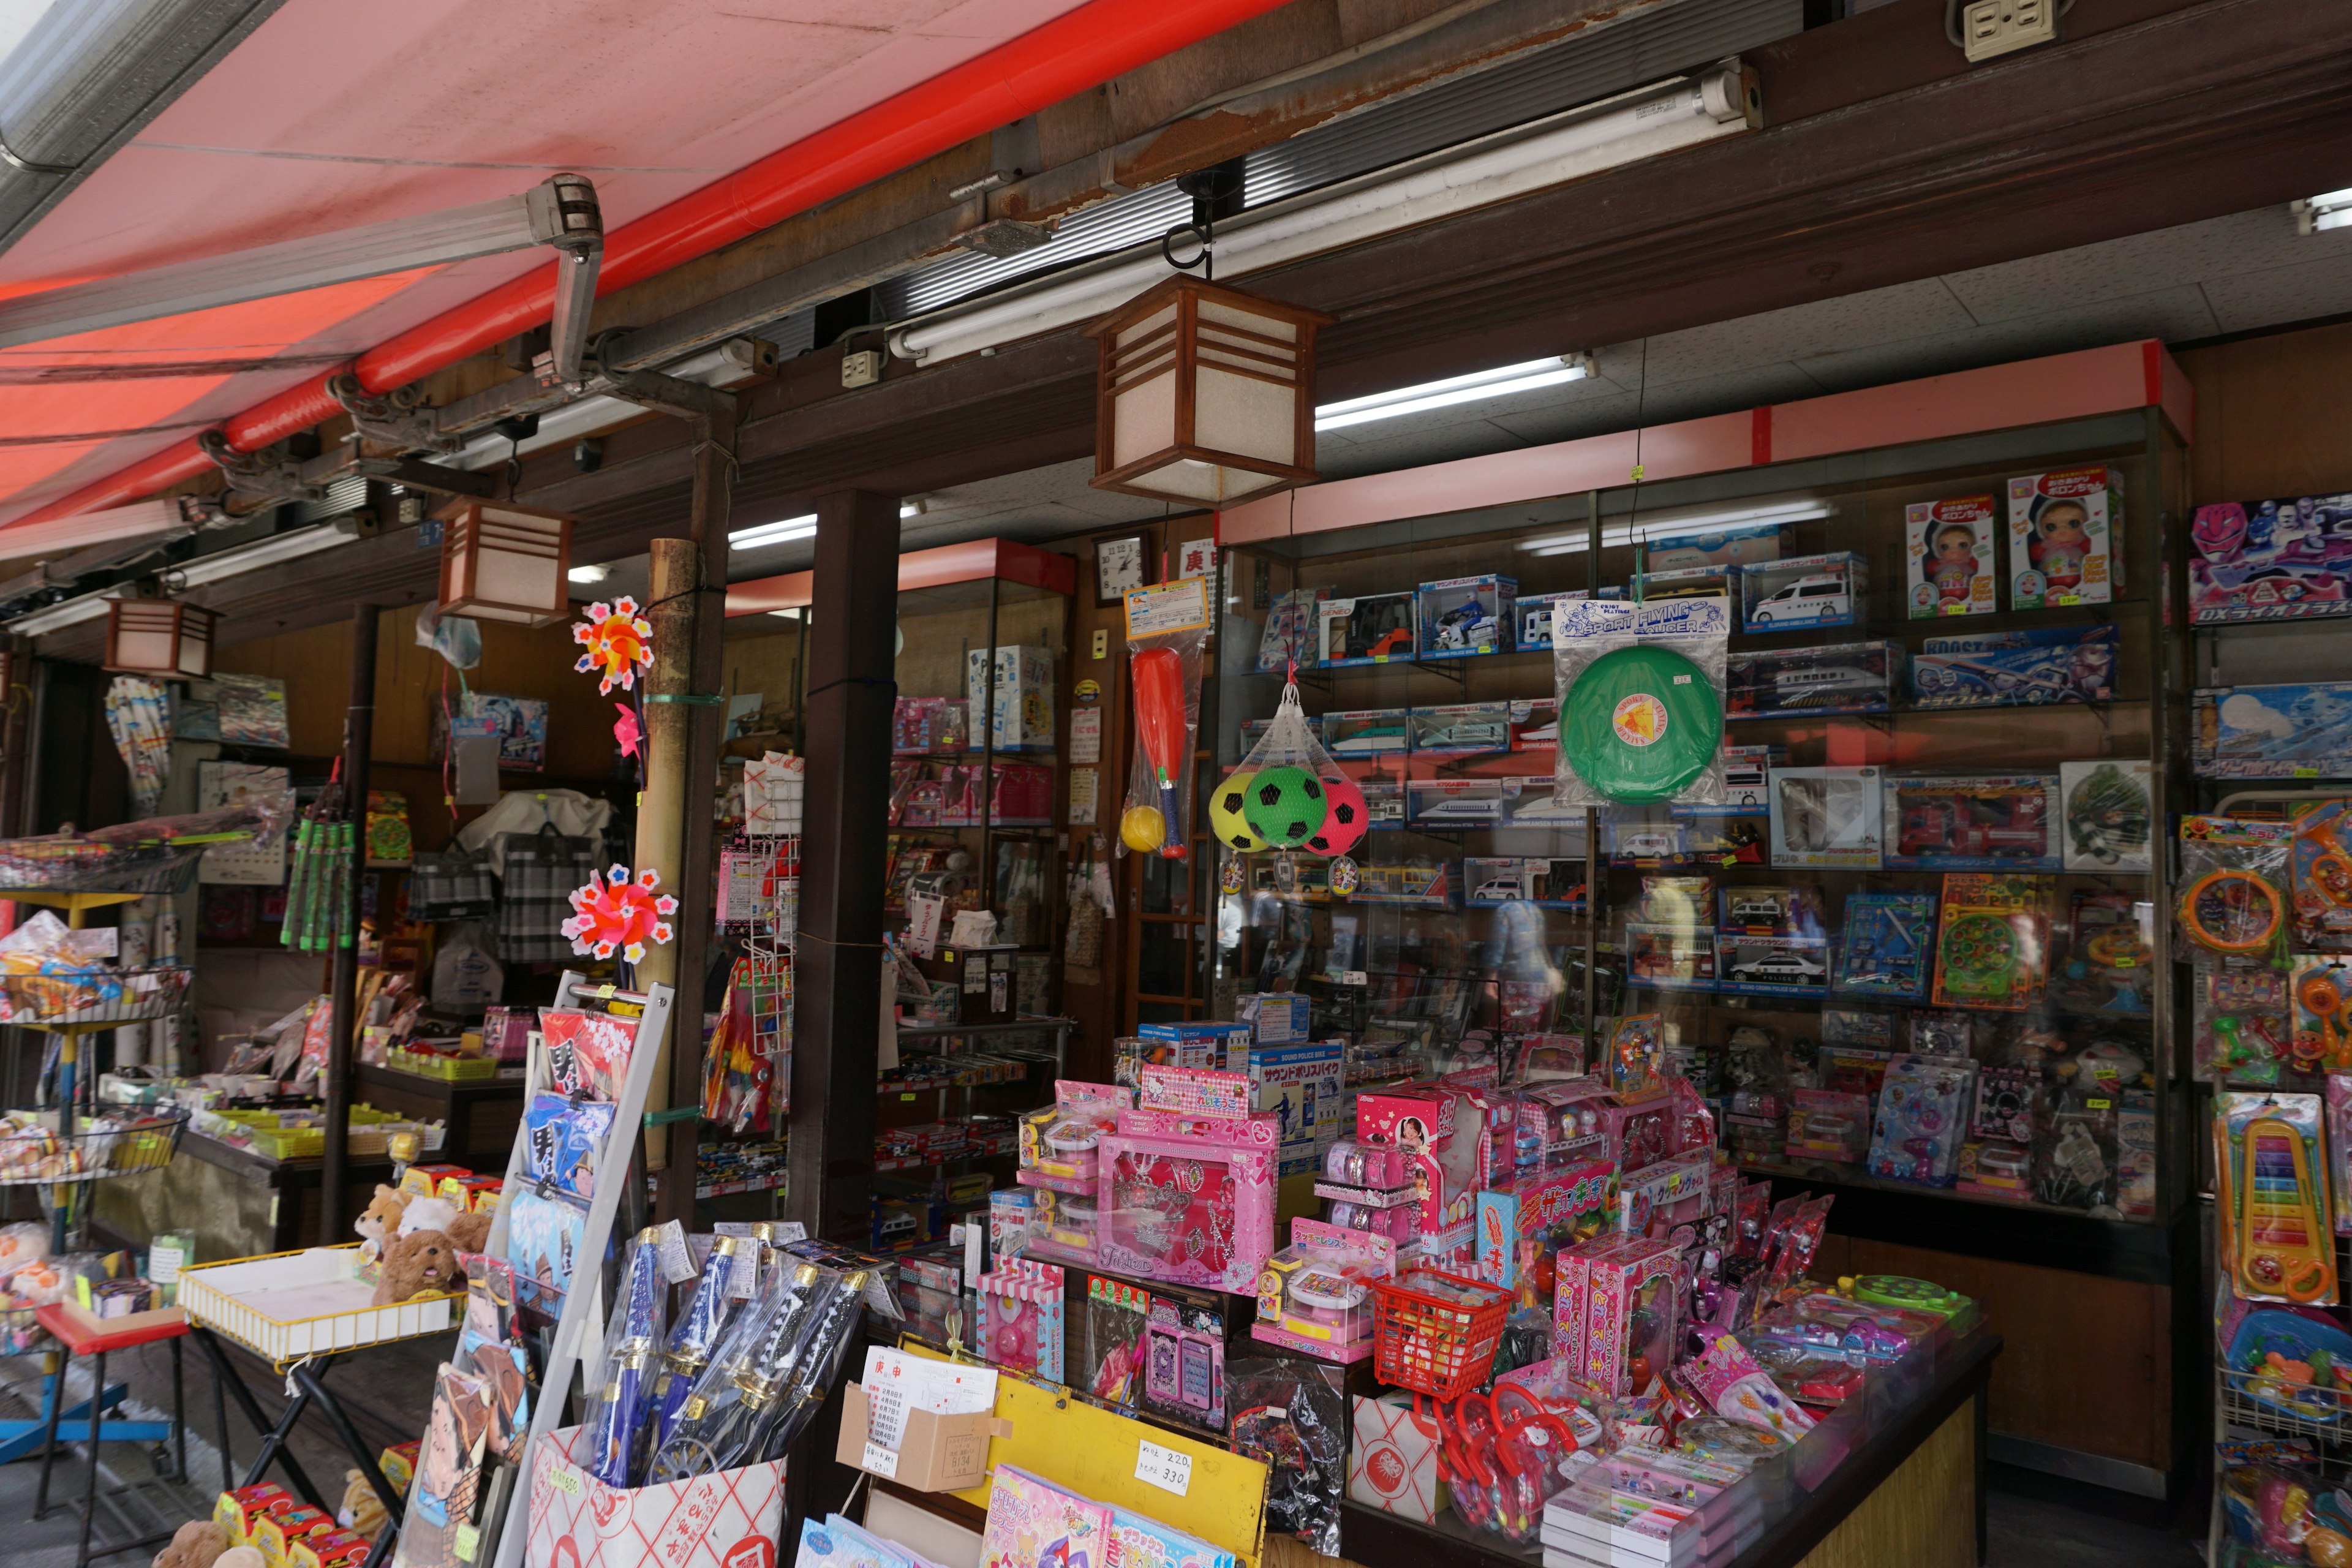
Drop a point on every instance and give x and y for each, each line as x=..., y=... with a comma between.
x=57, y=617
x=254, y=556
x=782, y=531
x=2333, y=210
x=590, y=574
x=789, y=614
x=1500, y=382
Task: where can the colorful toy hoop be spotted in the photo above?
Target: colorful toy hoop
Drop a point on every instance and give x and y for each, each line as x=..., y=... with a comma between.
x=2255, y=892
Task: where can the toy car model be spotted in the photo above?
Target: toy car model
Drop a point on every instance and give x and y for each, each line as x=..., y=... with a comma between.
x=1460, y=626
x=1498, y=890
x=1804, y=602
x=1649, y=844
x=1781, y=965
x=1941, y=827
x=1760, y=912
x=1392, y=644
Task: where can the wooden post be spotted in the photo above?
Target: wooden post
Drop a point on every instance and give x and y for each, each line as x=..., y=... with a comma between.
x=662, y=806
x=852, y=683
x=358, y=738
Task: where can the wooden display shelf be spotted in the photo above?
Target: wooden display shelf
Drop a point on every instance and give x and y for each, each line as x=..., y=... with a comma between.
x=481, y=1116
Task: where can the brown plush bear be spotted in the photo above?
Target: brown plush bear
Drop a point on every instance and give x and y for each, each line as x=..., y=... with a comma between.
x=470, y=1232
x=362, y=1511
x=382, y=1219
x=422, y=1262
x=196, y=1544
x=241, y=1557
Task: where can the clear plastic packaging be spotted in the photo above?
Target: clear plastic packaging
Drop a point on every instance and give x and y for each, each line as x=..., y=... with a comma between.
x=770, y=1375
x=1166, y=630
x=613, y=1445
x=1641, y=700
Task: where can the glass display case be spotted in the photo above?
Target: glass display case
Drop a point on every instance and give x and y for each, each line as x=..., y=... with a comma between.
x=1914, y=942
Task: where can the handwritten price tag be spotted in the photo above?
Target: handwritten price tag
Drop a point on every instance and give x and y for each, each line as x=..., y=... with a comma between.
x=881, y=1461
x=1164, y=1468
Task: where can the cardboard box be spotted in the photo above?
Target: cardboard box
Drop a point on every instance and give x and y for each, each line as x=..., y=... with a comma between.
x=935, y=1453
x=1300, y=1084
x=2064, y=533
x=1460, y=616
x=91, y=1322
x=1022, y=717
x=1949, y=547
x=1372, y=628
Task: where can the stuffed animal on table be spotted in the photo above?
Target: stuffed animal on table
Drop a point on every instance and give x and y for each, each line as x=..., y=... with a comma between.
x=426, y=1213
x=470, y=1232
x=418, y=1263
x=381, y=1219
x=362, y=1512
x=196, y=1544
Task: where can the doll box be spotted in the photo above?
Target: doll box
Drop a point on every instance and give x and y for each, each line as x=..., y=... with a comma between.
x=1949, y=548
x=1513, y=1217
x=2065, y=533
x=1190, y=1210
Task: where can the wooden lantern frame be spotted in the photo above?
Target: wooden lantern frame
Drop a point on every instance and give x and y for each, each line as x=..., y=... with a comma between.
x=190, y=627
x=467, y=525
x=1176, y=349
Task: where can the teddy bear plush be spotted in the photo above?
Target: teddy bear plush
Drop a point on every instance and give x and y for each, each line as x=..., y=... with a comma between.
x=241, y=1557
x=426, y=1213
x=196, y=1544
x=362, y=1512
x=381, y=1219
x=417, y=1262
x=470, y=1232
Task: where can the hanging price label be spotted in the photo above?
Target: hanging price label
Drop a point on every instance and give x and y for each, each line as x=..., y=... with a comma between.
x=1163, y=1467
x=881, y=1461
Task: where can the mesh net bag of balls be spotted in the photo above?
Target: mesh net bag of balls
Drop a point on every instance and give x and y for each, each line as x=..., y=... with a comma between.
x=1287, y=794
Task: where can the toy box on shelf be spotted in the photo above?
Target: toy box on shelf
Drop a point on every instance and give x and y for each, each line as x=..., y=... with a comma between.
x=1842, y=677
x=2271, y=560
x=1551, y=882
x=1020, y=1326
x=1826, y=817
x=1464, y=729
x=1670, y=958
x=1459, y=616
x=1534, y=724
x=2066, y=533
x=1831, y=590
x=1425, y=883
x=1439, y=1135
x=1022, y=717
x=1614, y=1311
x=1060, y=1144
x=1461, y=802
x=2293, y=732
x=1889, y=942
x=1999, y=669
x=1948, y=545
x=1298, y=1085
x=1184, y=1335
x=1316, y=1294
x=1993, y=949
x=1372, y=628
x=1367, y=731
x=1746, y=781
x=1524, y=1222
x=2106, y=821
x=1532, y=613
x=1981, y=822
x=1187, y=1181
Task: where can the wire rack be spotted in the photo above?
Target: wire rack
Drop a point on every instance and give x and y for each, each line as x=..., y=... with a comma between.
x=769, y=959
x=38, y=1157
x=93, y=997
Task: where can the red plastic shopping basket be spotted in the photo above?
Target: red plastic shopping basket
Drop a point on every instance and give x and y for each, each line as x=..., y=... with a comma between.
x=1435, y=1333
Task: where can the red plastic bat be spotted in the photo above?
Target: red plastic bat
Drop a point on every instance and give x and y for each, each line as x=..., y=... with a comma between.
x=1160, y=724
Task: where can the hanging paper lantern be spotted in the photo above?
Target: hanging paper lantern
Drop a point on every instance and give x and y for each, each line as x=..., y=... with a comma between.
x=1286, y=806
x=1345, y=818
x=1226, y=814
x=619, y=643
x=620, y=913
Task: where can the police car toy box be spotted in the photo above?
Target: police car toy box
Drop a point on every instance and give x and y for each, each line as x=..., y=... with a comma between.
x=2271, y=560
x=1460, y=616
x=1998, y=670
x=2297, y=732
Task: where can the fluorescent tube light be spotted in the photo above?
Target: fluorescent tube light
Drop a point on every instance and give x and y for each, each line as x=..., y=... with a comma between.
x=782, y=531
x=263, y=553
x=788, y=614
x=1679, y=526
x=57, y=617
x=1500, y=382
x=2333, y=210
x=590, y=574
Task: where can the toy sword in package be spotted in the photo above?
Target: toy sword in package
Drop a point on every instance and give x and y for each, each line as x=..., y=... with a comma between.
x=727, y=1278
x=630, y=1346
x=768, y=1376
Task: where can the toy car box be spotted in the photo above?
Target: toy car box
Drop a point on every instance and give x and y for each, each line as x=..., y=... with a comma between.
x=1460, y=803
x=2271, y=561
x=1670, y=957
x=1429, y=884
x=1745, y=777
x=1844, y=677
x=1826, y=817
x=1999, y=669
x=1384, y=803
x=1686, y=582
x=1979, y=823
x=1372, y=628
x=1644, y=841
x=1463, y=728
x=1532, y=618
x=1949, y=547
x=2065, y=537
x=1771, y=965
x=2292, y=731
x=1490, y=881
x=1367, y=732
x=1831, y=590
x=1460, y=616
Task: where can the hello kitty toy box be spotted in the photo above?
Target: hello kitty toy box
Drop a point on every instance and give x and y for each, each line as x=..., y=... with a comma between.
x=1187, y=1183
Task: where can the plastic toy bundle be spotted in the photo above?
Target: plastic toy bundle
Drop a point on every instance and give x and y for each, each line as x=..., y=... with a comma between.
x=1293, y=1415
x=1641, y=700
x=1166, y=630
x=770, y=1373
x=617, y=1427
x=1288, y=794
x=2233, y=922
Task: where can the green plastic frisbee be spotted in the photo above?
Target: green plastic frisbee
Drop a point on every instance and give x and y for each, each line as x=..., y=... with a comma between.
x=1641, y=724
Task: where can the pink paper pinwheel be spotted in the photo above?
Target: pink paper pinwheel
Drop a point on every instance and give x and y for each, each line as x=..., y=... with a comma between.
x=619, y=644
x=620, y=913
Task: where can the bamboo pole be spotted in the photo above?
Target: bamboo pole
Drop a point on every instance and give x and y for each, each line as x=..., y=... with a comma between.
x=661, y=808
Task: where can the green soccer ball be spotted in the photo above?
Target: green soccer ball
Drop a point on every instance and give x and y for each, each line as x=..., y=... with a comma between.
x=1226, y=814
x=1285, y=805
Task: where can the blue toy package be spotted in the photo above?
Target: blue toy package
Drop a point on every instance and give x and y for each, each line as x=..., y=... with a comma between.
x=544, y=1236
x=1999, y=669
x=1889, y=946
x=1923, y=1111
x=563, y=1138
x=1459, y=616
x=2271, y=560
x=2297, y=732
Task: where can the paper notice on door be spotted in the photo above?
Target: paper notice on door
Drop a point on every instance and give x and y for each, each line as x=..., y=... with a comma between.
x=1086, y=734
x=1086, y=792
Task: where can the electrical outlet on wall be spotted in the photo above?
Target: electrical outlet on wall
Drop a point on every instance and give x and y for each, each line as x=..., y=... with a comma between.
x=861, y=369
x=1994, y=27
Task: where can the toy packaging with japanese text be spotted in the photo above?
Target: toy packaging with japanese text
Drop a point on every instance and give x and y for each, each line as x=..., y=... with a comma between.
x=1187, y=1183
x=1438, y=1132
x=1299, y=1085
x=2323, y=877
x=1463, y=728
x=1790, y=683
x=2030, y=667
x=1923, y=1113
x=1532, y=614
x=1059, y=1143
x=1459, y=616
x=1993, y=949
x=1316, y=1294
x=1524, y=1222
x=1972, y=822
x=2106, y=823
x=1830, y=589
x=2271, y=1197
x=2065, y=538
x=2286, y=559
x=1826, y=817
x=1948, y=545
x=1373, y=628
x=1367, y=731
x=1887, y=947
x=1020, y=1326
x=2293, y=732
x=1184, y=1356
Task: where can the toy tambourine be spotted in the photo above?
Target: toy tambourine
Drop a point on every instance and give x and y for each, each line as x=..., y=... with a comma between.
x=2231, y=912
x=1641, y=724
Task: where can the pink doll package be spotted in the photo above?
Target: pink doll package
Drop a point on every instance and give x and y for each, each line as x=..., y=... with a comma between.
x=1060, y=1143
x=1523, y=1225
x=1188, y=1197
x=1316, y=1295
x=1020, y=1326
x=1441, y=1132
x=1614, y=1311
